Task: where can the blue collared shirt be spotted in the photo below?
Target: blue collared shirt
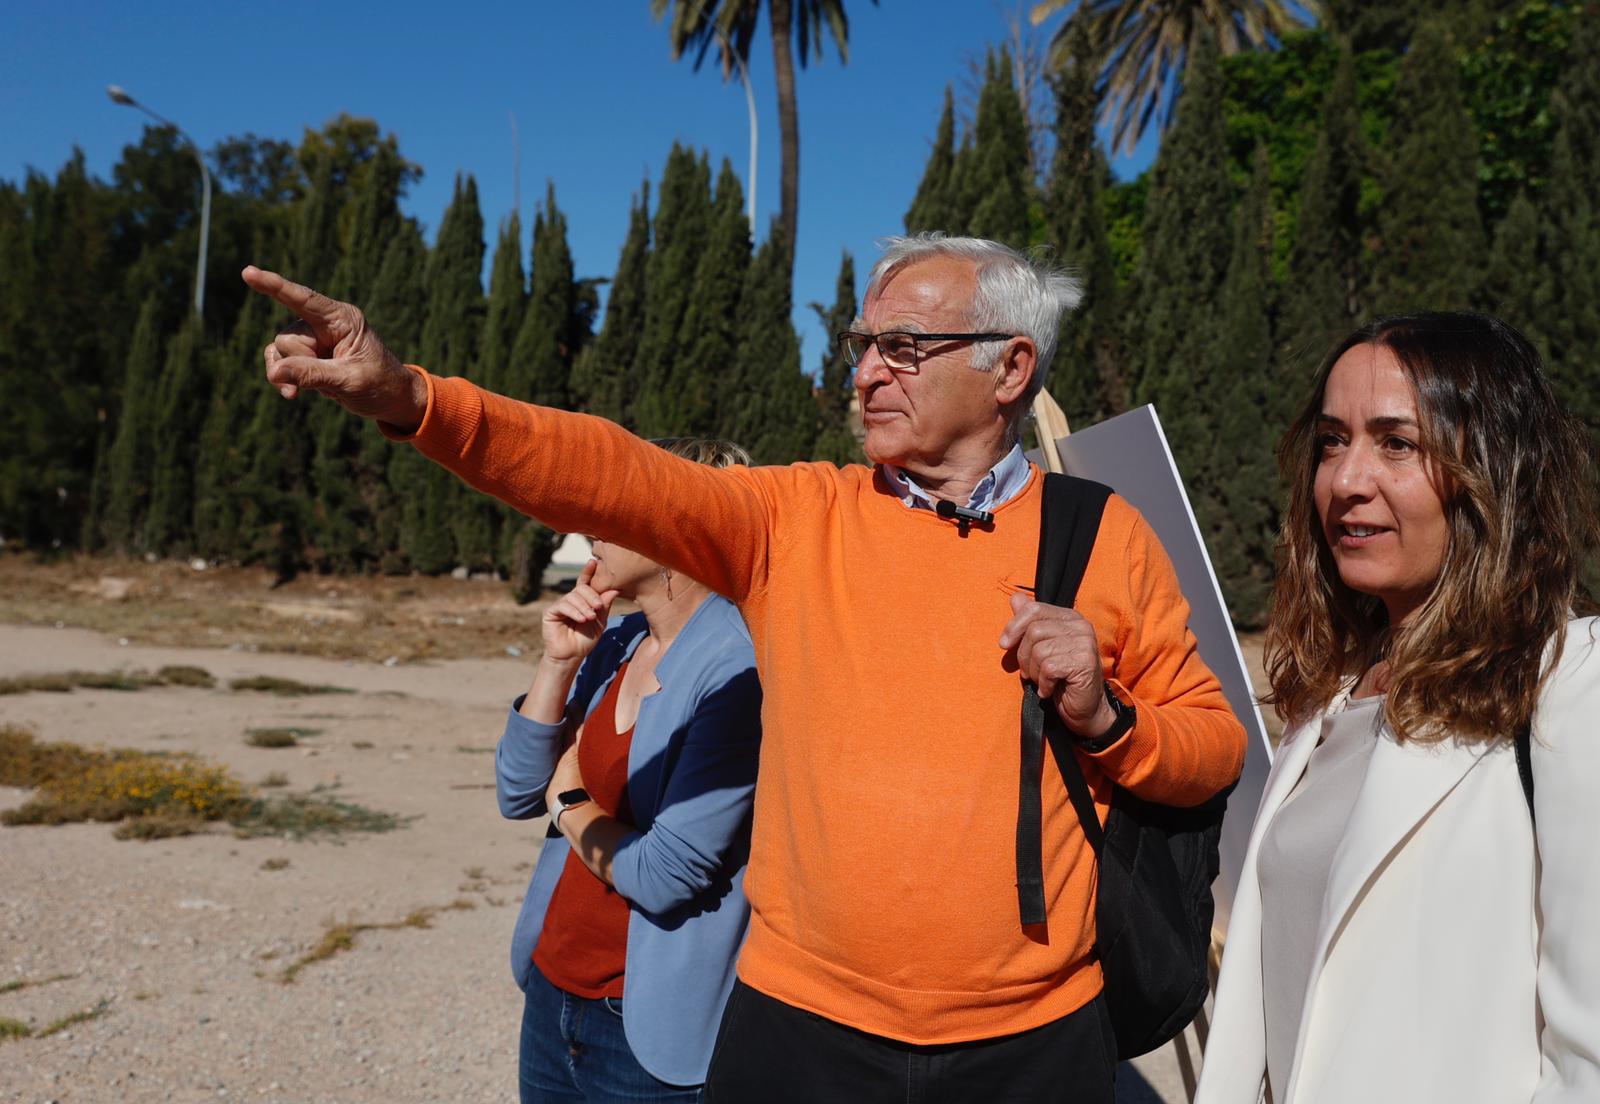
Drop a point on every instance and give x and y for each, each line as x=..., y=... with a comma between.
x=1004, y=481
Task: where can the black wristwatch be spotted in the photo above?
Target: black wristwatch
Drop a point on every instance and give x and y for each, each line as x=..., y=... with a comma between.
x=565, y=800
x=1119, y=727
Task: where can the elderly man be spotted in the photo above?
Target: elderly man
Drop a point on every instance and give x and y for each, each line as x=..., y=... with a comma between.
x=885, y=957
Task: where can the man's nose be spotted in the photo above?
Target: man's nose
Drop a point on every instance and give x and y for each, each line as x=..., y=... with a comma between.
x=871, y=368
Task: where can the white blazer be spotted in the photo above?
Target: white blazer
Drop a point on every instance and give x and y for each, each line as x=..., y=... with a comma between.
x=1453, y=964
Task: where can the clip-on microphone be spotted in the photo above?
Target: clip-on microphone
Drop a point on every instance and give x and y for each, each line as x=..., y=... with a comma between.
x=963, y=516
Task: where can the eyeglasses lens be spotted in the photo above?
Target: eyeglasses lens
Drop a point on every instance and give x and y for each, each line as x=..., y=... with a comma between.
x=899, y=350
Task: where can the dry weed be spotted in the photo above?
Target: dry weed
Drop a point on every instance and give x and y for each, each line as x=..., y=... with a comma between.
x=284, y=687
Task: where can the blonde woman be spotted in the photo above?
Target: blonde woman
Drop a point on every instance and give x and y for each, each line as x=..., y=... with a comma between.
x=625, y=944
x=1411, y=924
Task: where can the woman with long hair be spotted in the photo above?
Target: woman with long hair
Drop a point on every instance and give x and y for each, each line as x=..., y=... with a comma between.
x=1415, y=918
x=640, y=737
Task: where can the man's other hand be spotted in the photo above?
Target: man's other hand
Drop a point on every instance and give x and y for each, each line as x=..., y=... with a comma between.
x=332, y=350
x=1057, y=650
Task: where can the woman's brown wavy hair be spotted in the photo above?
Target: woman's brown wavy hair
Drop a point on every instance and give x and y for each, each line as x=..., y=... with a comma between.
x=1522, y=515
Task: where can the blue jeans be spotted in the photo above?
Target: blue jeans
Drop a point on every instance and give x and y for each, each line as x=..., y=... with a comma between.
x=573, y=1048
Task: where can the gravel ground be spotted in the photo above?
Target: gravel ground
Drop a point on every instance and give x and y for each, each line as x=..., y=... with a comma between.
x=181, y=943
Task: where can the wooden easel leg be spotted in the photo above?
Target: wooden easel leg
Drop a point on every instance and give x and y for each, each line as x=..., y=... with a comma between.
x=1191, y=1080
x=1051, y=423
x=1201, y=1027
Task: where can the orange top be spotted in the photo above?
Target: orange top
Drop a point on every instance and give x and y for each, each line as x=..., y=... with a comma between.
x=583, y=945
x=882, y=878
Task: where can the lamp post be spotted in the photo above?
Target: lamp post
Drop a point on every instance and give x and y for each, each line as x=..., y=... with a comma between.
x=120, y=95
x=750, y=105
x=729, y=53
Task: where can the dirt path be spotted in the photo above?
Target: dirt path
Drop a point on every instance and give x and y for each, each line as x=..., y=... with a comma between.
x=185, y=938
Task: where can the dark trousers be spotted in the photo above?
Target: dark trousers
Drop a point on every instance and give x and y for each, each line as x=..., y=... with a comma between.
x=772, y=1053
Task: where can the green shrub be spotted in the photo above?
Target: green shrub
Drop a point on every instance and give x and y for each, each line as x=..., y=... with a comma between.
x=284, y=687
x=271, y=737
x=79, y=784
x=297, y=815
x=181, y=675
x=154, y=826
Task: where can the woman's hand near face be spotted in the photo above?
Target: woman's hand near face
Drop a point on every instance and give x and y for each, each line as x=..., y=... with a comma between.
x=573, y=624
x=571, y=627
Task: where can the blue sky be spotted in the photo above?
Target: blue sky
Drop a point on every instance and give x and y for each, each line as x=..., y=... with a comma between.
x=597, y=99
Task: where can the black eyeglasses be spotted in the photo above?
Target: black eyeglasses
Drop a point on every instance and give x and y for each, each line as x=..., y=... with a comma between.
x=901, y=350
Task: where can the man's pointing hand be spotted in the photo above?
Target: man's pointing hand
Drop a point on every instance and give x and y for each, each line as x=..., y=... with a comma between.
x=332, y=350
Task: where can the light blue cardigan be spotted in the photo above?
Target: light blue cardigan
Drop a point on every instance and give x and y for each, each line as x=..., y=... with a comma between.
x=691, y=782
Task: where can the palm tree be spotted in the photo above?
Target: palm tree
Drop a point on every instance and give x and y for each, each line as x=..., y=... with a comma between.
x=1143, y=46
x=730, y=25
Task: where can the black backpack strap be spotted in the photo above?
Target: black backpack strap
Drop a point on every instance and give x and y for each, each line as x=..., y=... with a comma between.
x=1523, y=744
x=1068, y=524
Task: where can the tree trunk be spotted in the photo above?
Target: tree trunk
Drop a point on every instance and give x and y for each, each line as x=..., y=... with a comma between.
x=788, y=125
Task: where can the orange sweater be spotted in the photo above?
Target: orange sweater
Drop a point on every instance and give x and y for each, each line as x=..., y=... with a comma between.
x=882, y=878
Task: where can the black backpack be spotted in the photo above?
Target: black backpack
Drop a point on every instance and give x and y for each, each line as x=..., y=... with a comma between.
x=1153, y=909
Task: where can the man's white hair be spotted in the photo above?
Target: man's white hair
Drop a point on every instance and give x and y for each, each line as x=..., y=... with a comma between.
x=1017, y=293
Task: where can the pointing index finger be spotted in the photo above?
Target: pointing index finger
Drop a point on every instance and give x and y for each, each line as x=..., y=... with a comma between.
x=313, y=306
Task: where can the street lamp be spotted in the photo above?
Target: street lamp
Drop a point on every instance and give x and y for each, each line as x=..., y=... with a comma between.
x=728, y=52
x=120, y=95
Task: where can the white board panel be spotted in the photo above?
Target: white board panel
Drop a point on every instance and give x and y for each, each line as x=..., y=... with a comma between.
x=1129, y=453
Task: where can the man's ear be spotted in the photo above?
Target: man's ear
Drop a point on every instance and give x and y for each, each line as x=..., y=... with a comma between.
x=1018, y=362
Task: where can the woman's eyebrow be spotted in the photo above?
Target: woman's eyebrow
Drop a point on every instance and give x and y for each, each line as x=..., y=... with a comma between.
x=1387, y=421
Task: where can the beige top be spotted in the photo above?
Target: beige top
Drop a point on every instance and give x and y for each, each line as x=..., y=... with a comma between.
x=1293, y=865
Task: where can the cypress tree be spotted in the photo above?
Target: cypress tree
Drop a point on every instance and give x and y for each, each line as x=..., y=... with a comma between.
x=398, y=302
x=19, y=287
x=682, y=226
x=479, y=520
x=450, y=334
x=1432, y=235
x=372, y=220
x=1001, y=173
x=395, y=312
x=185, y=393
x=1374, y=24
x=508, y=302
x=540, y=371
x=426, y=535
x=345, y=480
x=1570, y=221
x=547, y=339
x=1086, y=379
x=133, y=448
x=966, y=187
x=602, y=382
x=1324, y=295
x=1187, y=241
x=313, y=245
x=1511, y=288
x=1238, y=509
x=932, y=207
x=776, y=416
x=222, y=464
x=454, y=286
x=274, y=530
x=836, y=439
x=70, y=382
x=60, y=328
x=709, y=335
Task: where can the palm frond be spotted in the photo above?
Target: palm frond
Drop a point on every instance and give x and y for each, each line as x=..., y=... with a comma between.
x=1143, y=46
